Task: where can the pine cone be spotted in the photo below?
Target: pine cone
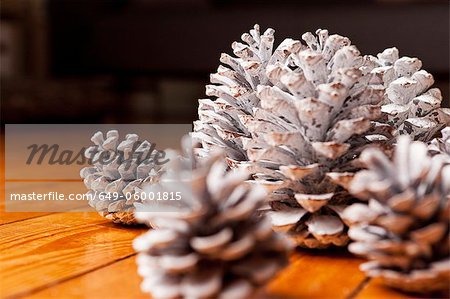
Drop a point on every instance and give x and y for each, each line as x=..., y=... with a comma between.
x=411, y=105
x=441, y=145
x=214, y=246
x=296, y=118
x=119, y=171
x=404, y=231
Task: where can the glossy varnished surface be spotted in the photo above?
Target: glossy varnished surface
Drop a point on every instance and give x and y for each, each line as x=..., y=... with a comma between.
x=81, y=255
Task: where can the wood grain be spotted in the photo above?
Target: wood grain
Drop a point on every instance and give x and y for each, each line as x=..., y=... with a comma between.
x=38, y=208
x=81, y=255
x=302, y=279
x=375, y=289
x=119, y=280
x=65, y=189
x=40, y=252
x=312, y=274
x=6, y=217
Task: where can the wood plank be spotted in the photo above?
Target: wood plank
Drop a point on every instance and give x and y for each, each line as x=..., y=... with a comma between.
x=39, y=252
x=308, y=276
x=9, y=217
x=325, y=274
x=12, y=217
x=56, y=189
x=18, y=233
x=375, y=289
x=37, y=208
x=119, y=280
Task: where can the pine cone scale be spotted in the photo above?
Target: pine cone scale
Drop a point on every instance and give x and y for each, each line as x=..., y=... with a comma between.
x=299, y=114
x=214, y=245
x=402, y=231
x=115, y=173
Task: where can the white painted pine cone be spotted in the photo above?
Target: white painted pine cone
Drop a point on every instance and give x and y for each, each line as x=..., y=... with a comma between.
x=441, y=144
x=404, y=231
x=214, y=245
x=116, y=173
x=295, y=117
x=412, y=106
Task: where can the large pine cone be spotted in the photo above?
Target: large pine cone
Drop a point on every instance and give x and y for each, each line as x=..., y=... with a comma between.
x=119, y=172
x=411, y=106
x=295, y=118
x=404, y=231
x=214, y=245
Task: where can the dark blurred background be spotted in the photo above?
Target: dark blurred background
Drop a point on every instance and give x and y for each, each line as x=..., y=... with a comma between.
x=147, y=61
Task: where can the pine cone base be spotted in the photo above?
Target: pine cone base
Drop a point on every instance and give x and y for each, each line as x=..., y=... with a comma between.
x=434, y=279
x=126, y=218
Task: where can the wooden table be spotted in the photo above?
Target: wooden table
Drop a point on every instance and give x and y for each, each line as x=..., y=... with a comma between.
x=81, y=255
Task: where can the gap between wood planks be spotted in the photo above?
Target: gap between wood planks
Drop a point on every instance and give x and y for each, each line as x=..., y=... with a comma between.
x=359, y=288
x=323, y=262
x=120, y=252
x=308, y=261
x=62, y=280
x=30, y=185
x=31, y=217
x=314, y=263
x=68, y=284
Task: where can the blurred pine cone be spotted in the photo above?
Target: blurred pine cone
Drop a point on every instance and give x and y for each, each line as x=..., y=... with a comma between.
x=119, y=173
x=213, y=245
x=441, y=144
x=404, y=231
